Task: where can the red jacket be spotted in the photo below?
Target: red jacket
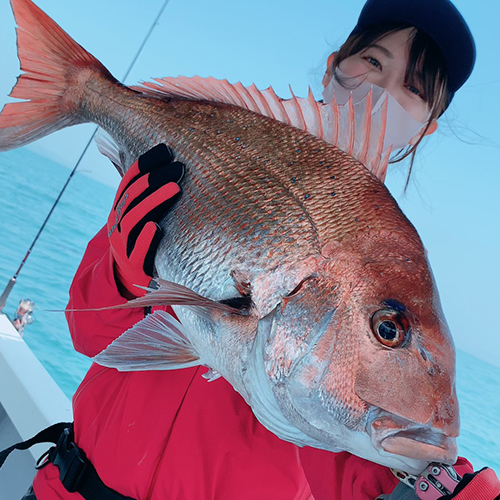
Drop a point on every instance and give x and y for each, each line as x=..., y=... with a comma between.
x=171, y=435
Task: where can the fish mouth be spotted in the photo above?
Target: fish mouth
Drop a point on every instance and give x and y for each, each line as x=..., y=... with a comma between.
x=398, y=436
x=414, y=443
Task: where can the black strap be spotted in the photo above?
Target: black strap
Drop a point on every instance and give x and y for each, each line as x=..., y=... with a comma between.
x=49, y=435
x=401, y=492
x=76, y=472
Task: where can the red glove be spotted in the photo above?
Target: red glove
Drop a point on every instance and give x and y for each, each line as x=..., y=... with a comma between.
x=146, y=192
x=482, y=485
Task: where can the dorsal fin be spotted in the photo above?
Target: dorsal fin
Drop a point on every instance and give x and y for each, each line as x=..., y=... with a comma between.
x=351, y=127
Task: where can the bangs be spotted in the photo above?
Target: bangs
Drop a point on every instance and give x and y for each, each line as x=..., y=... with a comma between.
x=426, y=64
x=426, y=70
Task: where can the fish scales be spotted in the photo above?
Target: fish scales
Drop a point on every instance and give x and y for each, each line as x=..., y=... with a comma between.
x=293, y=271
x=251, y=157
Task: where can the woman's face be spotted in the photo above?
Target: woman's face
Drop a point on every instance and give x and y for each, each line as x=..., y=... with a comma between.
x=384, y=64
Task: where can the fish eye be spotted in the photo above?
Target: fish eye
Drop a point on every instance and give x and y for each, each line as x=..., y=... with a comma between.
x=391, y=328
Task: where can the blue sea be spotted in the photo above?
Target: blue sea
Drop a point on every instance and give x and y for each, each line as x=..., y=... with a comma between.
x=29, y=185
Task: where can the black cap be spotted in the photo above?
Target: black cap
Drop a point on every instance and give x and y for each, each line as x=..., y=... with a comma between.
x=440, y=19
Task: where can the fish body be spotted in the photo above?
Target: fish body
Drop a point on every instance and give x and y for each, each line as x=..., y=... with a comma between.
x=299, y=279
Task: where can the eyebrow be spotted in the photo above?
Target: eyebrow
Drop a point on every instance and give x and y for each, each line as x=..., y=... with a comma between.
x=382, y=49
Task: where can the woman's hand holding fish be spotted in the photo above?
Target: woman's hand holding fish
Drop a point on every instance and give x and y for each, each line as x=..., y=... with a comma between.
x=148, y=189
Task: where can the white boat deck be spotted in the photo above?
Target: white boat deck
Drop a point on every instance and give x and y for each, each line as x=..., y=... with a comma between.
x=30, y=400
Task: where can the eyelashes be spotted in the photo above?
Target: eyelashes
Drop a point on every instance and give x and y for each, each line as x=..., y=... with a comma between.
x=413, y=88
x=373, y=61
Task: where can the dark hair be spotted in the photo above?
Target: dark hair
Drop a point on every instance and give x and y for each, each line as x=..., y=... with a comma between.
x=426, y=68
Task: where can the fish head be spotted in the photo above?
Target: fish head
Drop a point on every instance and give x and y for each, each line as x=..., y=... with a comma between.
x=359, y=358
x=406, y=371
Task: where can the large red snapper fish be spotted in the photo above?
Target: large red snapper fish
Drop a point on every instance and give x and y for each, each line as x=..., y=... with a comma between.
x=294, y=273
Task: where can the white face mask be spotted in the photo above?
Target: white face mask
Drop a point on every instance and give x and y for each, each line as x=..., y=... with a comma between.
x=401, y=127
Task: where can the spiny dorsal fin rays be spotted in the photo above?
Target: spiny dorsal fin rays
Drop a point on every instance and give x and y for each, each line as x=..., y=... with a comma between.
x=351, y=127
x=381, y=171
x=352, y=124
x=363, y=155
x=300, y=120
x=331, y=121
x=276, y=105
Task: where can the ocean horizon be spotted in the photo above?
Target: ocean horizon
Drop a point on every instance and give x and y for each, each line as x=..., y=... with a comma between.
x=29, y=185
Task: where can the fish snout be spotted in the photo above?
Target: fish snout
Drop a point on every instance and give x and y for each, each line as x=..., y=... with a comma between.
x=398, y=436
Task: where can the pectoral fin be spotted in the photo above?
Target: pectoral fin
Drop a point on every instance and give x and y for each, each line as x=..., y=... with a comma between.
x=158, y=342
x=173, y=294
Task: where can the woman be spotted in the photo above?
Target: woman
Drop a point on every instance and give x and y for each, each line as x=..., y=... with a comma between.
x=159, y=435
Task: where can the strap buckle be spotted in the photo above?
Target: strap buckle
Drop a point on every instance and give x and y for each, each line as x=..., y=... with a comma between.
x=433, y=482
x=436, y=481
x=70, y=460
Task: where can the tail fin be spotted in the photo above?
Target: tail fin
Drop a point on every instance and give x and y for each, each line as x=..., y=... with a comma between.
x=50, y=60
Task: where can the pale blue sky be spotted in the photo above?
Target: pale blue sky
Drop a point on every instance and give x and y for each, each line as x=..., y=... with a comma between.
x=454, y=198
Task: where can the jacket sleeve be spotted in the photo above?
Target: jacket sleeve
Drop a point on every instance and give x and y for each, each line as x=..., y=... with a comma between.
x=94, y=286
x=342, y=476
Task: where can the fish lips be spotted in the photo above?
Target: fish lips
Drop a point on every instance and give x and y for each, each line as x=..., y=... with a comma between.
x=399, y=436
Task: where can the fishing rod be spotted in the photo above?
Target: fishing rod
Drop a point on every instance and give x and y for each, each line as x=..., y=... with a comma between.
x=13, y=280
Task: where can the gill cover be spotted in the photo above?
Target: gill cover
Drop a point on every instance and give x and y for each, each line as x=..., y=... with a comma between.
x=280, y=376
